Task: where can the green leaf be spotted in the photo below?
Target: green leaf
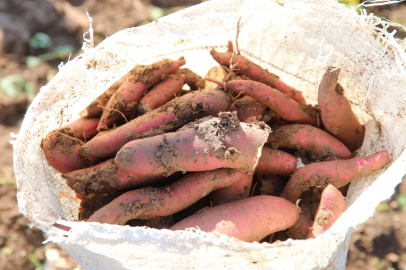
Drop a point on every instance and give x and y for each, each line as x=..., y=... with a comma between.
x=4, y=181
x=377, y=263
x=34, y=261
x=157, y=13
x=64, y=51
x=32, y=61
x=382, y=207
x=13, y=85
x=401, y=199
x=13, y=236
x=7, y=250
x=40, y=41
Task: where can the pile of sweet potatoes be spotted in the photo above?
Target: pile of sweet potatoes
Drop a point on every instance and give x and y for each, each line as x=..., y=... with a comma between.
x=240, y=152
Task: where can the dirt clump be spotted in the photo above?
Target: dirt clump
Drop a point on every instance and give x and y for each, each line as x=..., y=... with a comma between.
x=214, y=131
x=315, y=181
x=137, y=208
x=92, y=203
x=168, y=156
x=95, y=179
x=309, y=110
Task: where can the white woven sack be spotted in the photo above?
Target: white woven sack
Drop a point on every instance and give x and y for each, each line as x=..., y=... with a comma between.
x=296, y=39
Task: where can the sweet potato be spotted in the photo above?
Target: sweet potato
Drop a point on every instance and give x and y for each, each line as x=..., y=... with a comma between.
x=194, y=81
x=105, y=177
x=336, y=113
x=332, y=205
x=278, y=102
x=247, y=107
x=318, y=143
x=61, y=151
x=237, y=191
x=218, y=73
x=301, y=228
x=276, y=162
x=151, y=202
x=245, y=67
x=83, y=128
x=95, y=108
x=161, y=93
x=207, y=144
x=141, y=78
x=337, y=172
x=173, y=115
x=249, y=219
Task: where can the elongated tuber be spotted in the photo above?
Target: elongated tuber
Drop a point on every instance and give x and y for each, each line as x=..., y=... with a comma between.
x=336, y=113
x=237, y=191
x=61, y=150
x=141, y=78
x=249, y=219
x=332, y=205
x=169, y=117
x=161, y=93
x=276, y=162
x=104, y=177
x=207, y=144
x=151, y=202
x=83, y=128
x=337, y=172
x=245, y=67
x=194, y=81
x=318, y=143
x=247, y=107
x=278, y=102
x=95, y=108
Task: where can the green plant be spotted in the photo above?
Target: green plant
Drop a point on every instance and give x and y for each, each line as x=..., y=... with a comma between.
x=401, y=199
x=14, y=86
x=60, y=52
x=40, y=41
x=7, y=250
x=382, y=207
x=33, y=259
x=157, y=13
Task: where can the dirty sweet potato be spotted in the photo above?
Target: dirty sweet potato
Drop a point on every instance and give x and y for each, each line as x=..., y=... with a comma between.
x=318, y=143
x=152, y=202
x=237, y=191
x=249, y=219
x=280, y=103
x=140, y=79
x=173, y=115
x=276, y=162
x=83, y=128
x=336, y=113
x=161, y=93
x=194, y=81
x=95, y=108
x=61, y=150
x=332, y=205
x=247, y=107
x=104, y=177
x=337, y=172
x=244, y=66
x=207, y=144
x=301, y=228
